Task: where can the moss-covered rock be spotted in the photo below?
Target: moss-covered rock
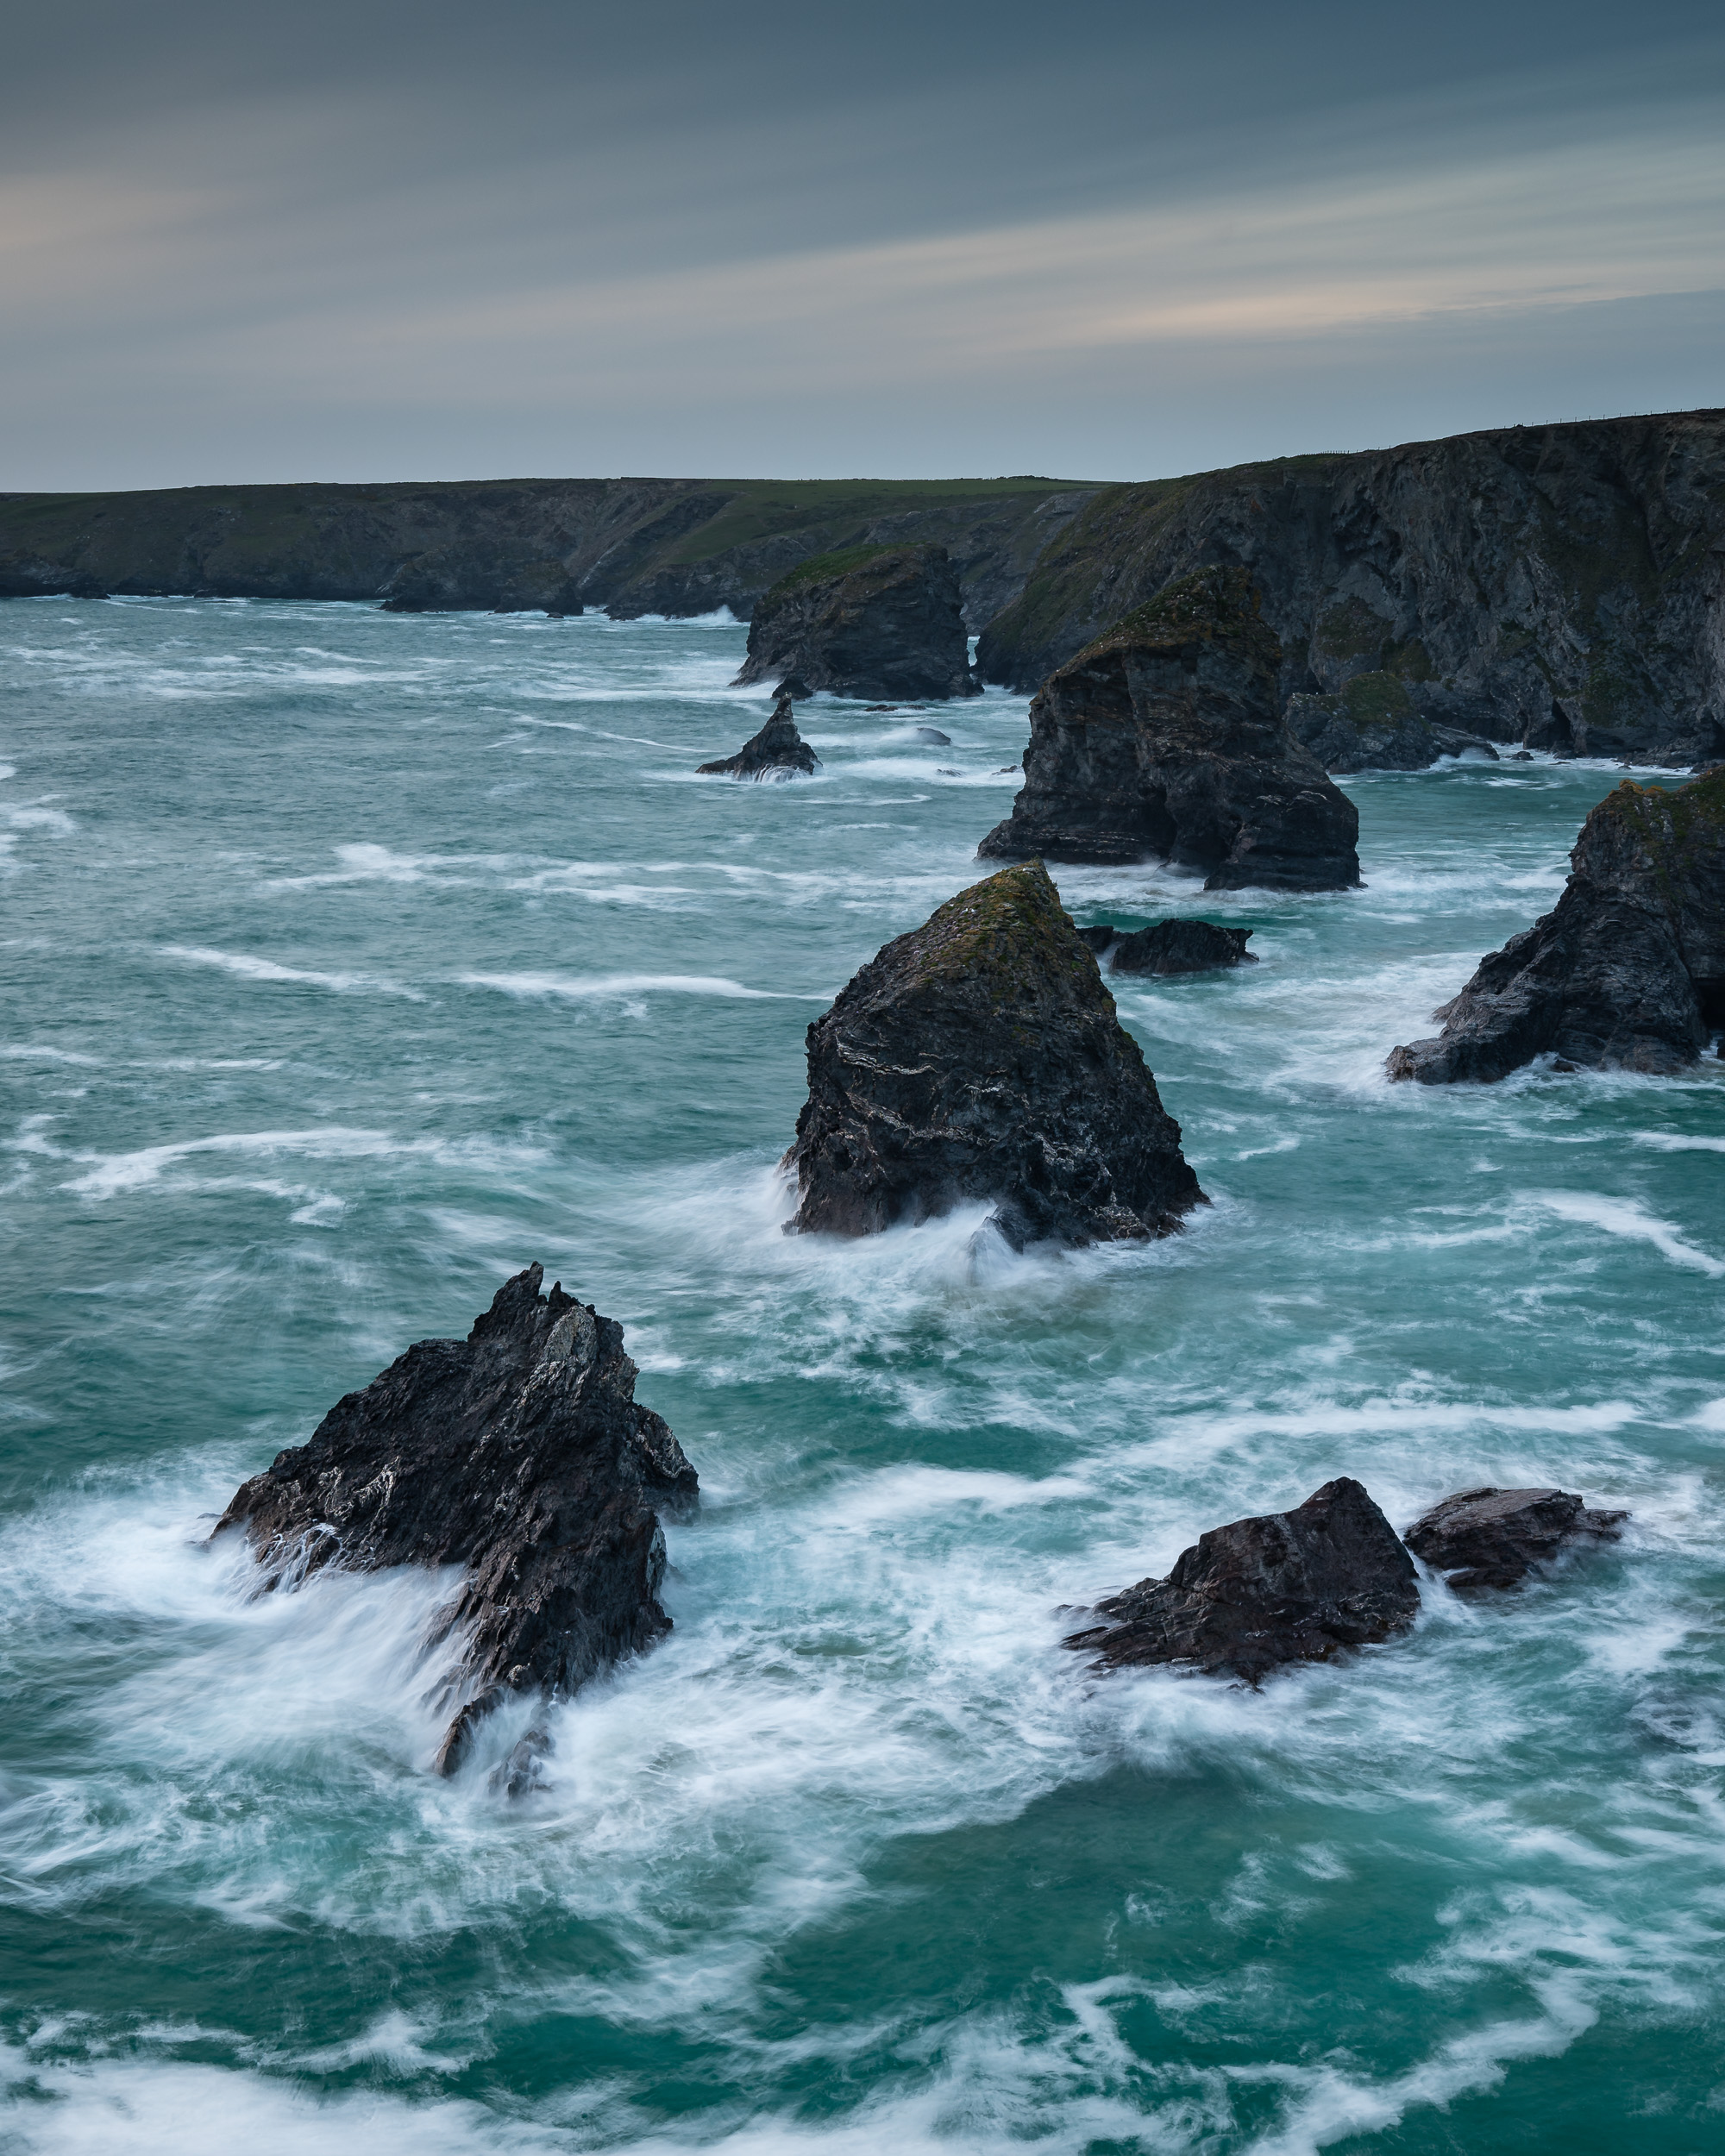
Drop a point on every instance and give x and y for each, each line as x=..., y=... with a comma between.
x=981, y=1057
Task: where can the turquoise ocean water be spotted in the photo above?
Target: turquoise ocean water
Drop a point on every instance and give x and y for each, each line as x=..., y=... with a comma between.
x=351, y=962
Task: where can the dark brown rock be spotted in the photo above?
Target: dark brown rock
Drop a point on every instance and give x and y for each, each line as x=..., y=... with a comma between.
x=778, y=751
x=981, y=1056
x=1627, y=970
x=1163, y=740
x=1300, y=1586
x=1181, y=946
x=869, y=623
x=1482, y=1539
x=520, y=1454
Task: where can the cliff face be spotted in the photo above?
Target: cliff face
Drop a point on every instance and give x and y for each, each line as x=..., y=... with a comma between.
x=629, y=547
x=1163, y=740
x=883, y=622
x=1558, y=586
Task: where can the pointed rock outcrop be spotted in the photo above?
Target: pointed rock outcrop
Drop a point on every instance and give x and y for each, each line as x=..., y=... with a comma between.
x=520, y=1454
x=1626, y=972
x=981, y=1057
x=778, y=751
x=1164, y=740
x=1299, y=1586
x=880, y=621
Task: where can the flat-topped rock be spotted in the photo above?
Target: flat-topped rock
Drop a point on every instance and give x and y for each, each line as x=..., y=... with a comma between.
x=981, y=1057
x=1164, y=740
x=778, y=751
x=875, y=623
x=519, y=1453
x=1482, y=1539
x=1299, y=1586
x=1627, y=970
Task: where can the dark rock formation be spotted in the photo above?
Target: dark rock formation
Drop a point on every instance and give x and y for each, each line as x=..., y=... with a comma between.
x=518, y=1452
x=778, y=751
x=1485, y=1539
x=1163, y=740
x=629, y=547
x=1180, y=946
x=872, y=621
x=795, y=688
x=1625, y=972
x=1297, y=1586
x=1373, y=724
x=979, y=1056
x=1555, y=585
x=933, y=734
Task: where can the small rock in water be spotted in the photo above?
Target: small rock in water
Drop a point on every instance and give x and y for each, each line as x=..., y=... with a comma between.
x=778, y=751
x=1179, y=946
x=519, y=1774
x=1298, y=1586
x=1486, y=1539
x=934, y=734
x=1100, y=936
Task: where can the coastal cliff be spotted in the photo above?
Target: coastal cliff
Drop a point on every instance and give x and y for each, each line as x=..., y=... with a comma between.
x=1558, y=586
x=884, y=621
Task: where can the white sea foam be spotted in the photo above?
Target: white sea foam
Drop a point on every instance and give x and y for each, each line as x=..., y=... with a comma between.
x=245, y=966
x=577, y=988
x=1621, y=1217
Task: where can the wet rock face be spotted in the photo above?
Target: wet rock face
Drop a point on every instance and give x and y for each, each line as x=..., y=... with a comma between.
x=520, y=1454
x=1163, y=740
x=1170, y=947
x=981, y=1057
x=778, y=751
x=1627, y=970
x=1373, y=724
x=1483, y=1540
x=1298, y=1586
x=875, y=623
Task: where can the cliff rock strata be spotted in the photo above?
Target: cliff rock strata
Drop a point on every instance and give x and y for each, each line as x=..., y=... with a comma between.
x=520, y=1454
x=980, y=1057
x=1163, y=740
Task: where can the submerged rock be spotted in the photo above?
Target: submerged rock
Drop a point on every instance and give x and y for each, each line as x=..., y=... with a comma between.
x=1173, y=946
x=981, y=1057
x=934, y=735
x=1486, y=1539
x=1627, y=971
x=778, y=751
x=520, y=1454
x=1164, y=740
x=1297, y=1586
x=871, y=621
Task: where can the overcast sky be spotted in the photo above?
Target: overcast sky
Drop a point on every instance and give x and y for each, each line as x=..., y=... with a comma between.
x=382, y=240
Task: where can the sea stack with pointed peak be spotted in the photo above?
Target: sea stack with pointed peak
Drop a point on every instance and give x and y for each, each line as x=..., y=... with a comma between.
x=1626, y=972
x=520, y=1454
x=778, y=751
x=980, y=1057
x=879, y=623
x=1163, y=740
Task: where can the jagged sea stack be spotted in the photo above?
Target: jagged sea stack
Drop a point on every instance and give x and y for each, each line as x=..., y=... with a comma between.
x=778, y=751
x=885, y=623
x=1163, y=740
x=981, y=1057
x=519, y=1452
x=1626, y=972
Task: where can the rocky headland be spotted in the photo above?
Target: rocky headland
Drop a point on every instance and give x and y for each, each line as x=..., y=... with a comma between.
x=519, y=1453
x=883, y=622
x=1299, y=1586
x=1626, y=972
x=981, y=1057
x=1164, y=740
x=1485, y=1540
x=778, y=751
x=1553, y=585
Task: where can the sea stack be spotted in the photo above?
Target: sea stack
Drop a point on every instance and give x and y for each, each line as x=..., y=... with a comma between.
x=1626, y=972
x=1299, y=1586
x=981, y=1057
x=778, y=751
x=881, y=624
x=1482, y=1539
x=1163, y=740
x=520, y=1454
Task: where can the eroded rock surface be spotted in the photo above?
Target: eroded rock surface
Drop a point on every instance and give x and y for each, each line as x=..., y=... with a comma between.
x=873, y=622
x=1374, y=724
x=1488, y=1538
x=1625, y=972
x=1164, y=740
x=981, y=1057
x=520, y=1454
x=1299, y=1586
x=1170, y=947
x=778, y=751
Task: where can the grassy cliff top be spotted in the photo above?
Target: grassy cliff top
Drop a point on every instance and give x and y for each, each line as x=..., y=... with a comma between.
x=1215, y=606
x=819, y=568
x=1013, y=927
